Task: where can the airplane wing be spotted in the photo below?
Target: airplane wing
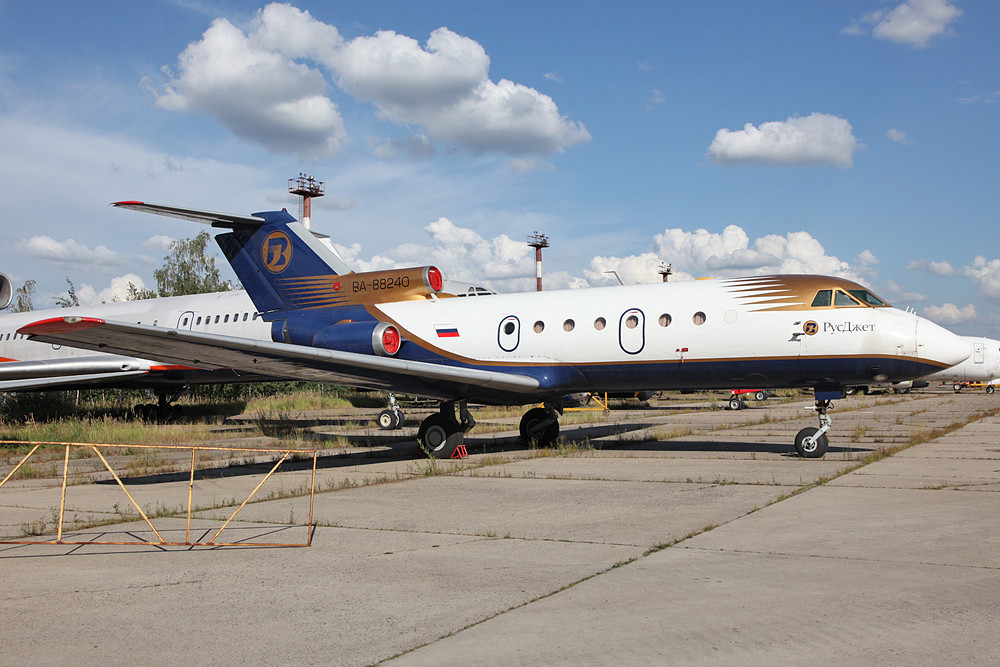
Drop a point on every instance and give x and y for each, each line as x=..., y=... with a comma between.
x=49, y=373
x=281, y=360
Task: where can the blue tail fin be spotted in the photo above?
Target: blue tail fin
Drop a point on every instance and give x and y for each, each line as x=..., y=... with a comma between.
x=282, y=265
x=284, y=268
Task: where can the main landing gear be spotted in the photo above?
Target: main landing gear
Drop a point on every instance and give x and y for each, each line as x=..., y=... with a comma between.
x=441, y=433
x=540, y=426
x=164, y=410
x=811, y=442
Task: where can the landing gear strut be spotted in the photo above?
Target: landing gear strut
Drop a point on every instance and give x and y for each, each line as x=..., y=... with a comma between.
x=164, y=410
x=540, y=426
x=441, y=433
x=392, y=418
x=811, y=442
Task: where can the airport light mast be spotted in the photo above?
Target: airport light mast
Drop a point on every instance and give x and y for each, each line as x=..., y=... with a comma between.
x=538, y=241
x=306, y=187
x=665, y=270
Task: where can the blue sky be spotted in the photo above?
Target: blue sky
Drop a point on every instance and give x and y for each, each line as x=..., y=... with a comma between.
x=856, y=138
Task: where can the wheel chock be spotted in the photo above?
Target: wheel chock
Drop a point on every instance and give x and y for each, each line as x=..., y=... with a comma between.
x=460, y=453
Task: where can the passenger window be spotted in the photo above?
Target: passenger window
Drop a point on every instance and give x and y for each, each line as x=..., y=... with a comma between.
x=245, y=316
x=198, y=321
x=225, y=319
x=665, y=320
x=823, y=298
x=631, y=321
x=539, y=326
x=842, y=299
x=569, y=325
x=600, y=323
x=185, y=322
x=699, y=318
x=216, y=319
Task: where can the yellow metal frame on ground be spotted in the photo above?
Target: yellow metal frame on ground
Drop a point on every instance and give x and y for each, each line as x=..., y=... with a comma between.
x=160, y=540
x=603, y=405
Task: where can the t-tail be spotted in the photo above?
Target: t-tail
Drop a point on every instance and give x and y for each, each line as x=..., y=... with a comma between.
x=286, y=269
x=301, y=284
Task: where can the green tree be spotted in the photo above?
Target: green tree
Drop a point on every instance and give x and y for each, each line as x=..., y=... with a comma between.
x=22, y=297
x=70, y=299
x=136, y=293
x=189, y=269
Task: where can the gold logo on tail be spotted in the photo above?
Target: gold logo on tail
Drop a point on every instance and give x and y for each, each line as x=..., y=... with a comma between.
x=276, y=252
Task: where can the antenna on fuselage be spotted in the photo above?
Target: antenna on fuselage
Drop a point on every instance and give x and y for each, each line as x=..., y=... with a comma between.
x=305, y=187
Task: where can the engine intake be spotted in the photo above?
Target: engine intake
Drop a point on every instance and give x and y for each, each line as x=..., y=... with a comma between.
x=6, y=291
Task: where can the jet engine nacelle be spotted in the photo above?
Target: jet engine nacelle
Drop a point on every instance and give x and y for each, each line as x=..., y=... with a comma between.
x=420, y=282
x=6, y=291
x=379, y=338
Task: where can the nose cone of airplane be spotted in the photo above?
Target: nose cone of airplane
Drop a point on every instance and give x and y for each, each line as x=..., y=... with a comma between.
x=937, y=344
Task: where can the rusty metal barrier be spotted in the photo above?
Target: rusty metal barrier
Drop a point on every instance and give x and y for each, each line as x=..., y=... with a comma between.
x=160, y=539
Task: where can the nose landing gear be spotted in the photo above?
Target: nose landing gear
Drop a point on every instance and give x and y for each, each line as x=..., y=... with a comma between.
x=811, y=442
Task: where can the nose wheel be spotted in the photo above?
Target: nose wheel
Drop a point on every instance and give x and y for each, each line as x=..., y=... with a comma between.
x=811, y=442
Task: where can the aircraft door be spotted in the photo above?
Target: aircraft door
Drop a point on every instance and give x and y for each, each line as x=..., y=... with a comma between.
x=632, y=331
x=978, y=353
x=509, y=333
x=186, y=320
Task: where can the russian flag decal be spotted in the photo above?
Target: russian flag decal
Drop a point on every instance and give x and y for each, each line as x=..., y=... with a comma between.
x=446, y=330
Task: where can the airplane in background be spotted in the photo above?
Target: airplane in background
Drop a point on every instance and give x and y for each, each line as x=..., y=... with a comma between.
x=27, y=365
x=393, y=333
x=981, y=366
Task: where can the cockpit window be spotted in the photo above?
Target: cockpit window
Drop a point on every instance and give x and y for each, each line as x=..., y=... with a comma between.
x=844, y=299
x=823, y=298
x=864, y=296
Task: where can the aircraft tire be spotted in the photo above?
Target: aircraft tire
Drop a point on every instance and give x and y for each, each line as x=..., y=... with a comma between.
x=814, y=451
x=760, y=395
x=400, y=419
x=736, y=403
x=534, y=429
x=990, y=389
x=439, y=436
x=387, y=420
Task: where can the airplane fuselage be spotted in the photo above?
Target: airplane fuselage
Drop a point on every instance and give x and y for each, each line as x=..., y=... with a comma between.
x=701, y=334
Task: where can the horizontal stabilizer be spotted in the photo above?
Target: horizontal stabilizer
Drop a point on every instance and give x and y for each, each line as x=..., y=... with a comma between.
x=225, y=220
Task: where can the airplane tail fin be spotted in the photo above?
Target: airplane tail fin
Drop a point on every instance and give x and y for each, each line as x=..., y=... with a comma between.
x=284, y=267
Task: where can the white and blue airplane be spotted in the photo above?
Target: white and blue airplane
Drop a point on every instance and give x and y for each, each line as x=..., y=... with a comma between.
x=981, y=366
x=391, y=331
x=27, y=365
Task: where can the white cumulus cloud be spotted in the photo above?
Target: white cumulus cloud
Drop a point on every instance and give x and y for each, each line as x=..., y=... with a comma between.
x=70, y=253
x=913, y=22
x=800, y=140
x=271, y=85
x=949, y=313
x=730, y=253
x=258, y=93
x=985, y=276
